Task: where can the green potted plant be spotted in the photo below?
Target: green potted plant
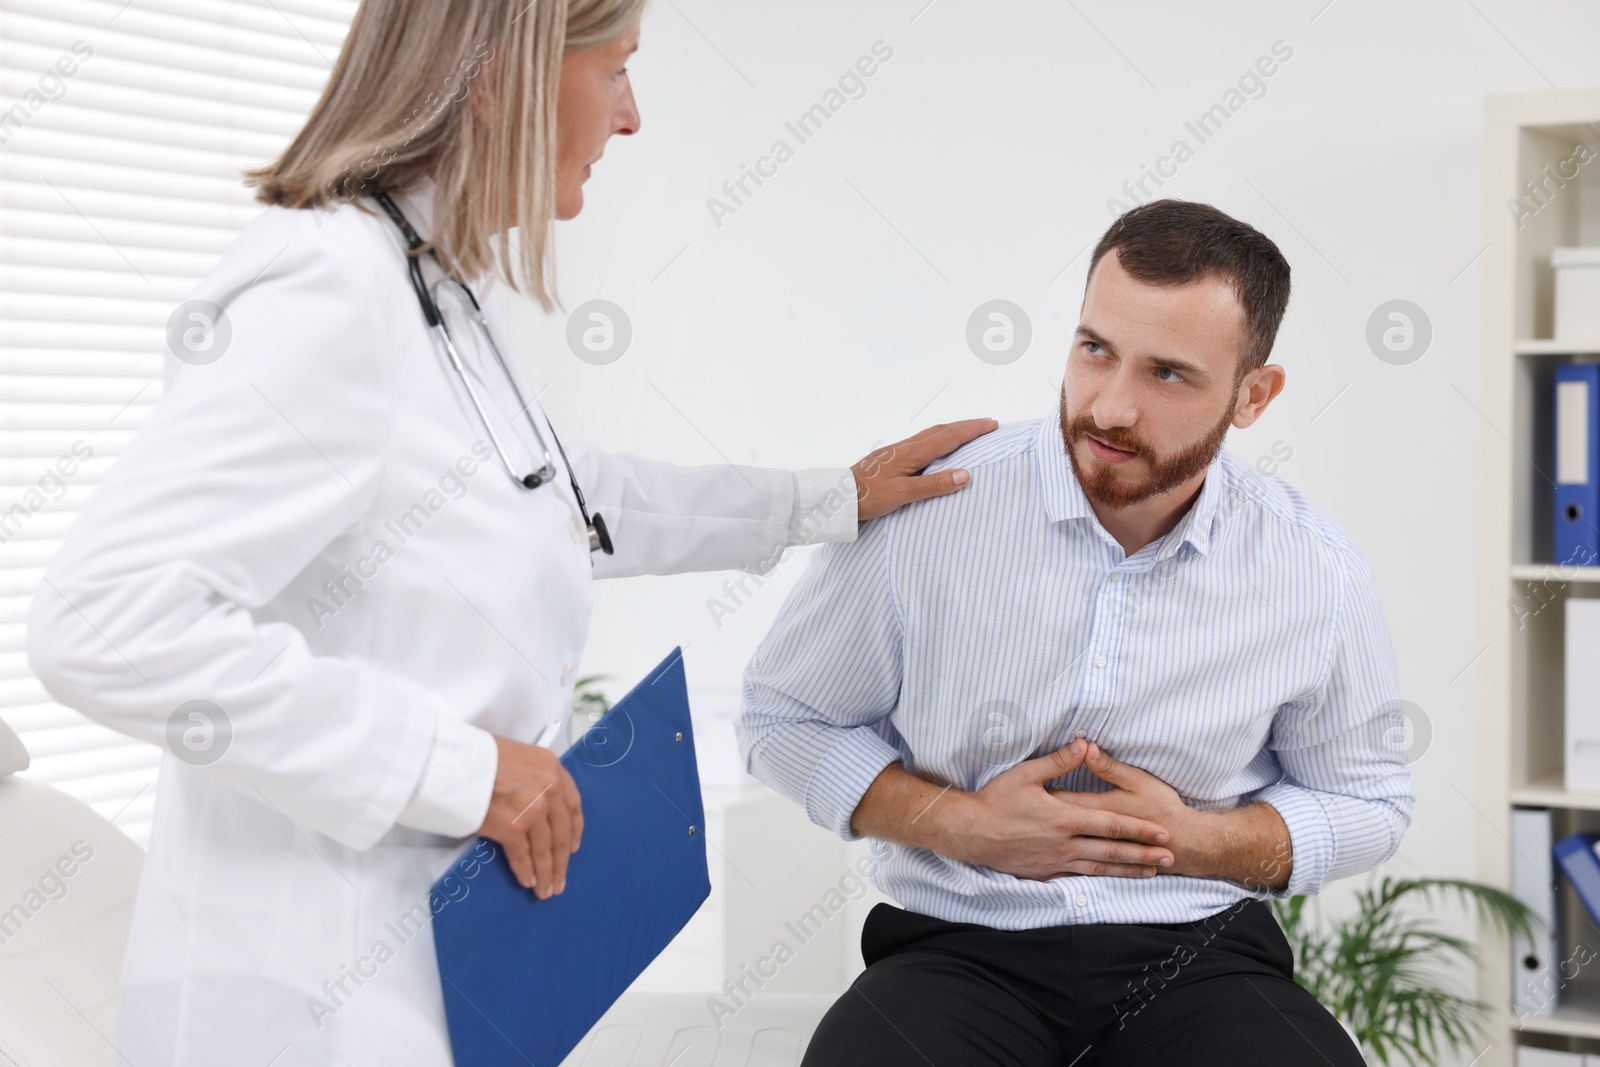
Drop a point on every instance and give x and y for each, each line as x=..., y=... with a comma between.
x=589, y=703
x=1385, y=972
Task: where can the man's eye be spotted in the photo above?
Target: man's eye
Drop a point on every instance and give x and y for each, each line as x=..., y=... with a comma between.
x=1167, y=374
x=1093, y=347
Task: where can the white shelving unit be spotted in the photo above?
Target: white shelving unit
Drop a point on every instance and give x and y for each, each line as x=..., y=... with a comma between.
x=1522, y=593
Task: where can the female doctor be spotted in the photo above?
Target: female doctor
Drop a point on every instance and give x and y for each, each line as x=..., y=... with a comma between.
x=343, y=573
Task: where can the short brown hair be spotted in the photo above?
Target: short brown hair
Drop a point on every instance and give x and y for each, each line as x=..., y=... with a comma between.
x=1174, y=242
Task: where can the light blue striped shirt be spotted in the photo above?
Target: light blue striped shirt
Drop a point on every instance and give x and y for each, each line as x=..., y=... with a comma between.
x=1242, y=656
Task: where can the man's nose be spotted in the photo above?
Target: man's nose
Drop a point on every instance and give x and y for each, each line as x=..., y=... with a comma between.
x=1114, y=405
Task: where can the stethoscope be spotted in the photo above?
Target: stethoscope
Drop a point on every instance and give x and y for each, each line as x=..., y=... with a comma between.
x=599, y=537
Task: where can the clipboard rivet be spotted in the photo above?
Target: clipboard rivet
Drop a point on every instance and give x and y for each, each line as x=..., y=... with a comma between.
x=691, y=829
x=679, y=736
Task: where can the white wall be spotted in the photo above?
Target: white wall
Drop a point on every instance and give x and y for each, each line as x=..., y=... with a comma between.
x=815, y=321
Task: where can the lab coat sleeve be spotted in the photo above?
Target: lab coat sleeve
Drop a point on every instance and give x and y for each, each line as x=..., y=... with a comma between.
x=1345, y=795
x=452, y=797
x=248, y=468
x=665, y=519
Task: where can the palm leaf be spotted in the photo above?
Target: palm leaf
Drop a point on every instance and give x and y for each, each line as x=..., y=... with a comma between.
x=1384, y=971
x=588, y=698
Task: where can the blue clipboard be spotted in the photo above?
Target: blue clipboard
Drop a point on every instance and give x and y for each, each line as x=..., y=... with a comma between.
x=525, y=979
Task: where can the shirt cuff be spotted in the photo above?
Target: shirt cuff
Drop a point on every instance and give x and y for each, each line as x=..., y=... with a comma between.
x=452, y=796
x=824, y=506
x=1311, y=840
x=842, y=776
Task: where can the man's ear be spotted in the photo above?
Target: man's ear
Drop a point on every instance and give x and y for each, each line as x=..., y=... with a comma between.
x=1257, y=390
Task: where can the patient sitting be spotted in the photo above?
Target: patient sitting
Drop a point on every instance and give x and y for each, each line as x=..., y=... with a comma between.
x=956, y=683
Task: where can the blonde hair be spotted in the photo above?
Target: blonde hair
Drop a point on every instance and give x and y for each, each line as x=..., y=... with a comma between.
x=399, y=107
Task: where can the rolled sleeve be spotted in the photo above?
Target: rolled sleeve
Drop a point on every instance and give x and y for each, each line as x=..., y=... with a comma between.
x=1346, y=792
x=842, y=776
x=1311, y=837
x=817, y=696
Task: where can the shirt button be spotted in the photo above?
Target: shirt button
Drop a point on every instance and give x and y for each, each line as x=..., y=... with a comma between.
x=566, y=675
x=1115, y=575
x=1099, y=661
x=1082, y=901
x=1081, y=733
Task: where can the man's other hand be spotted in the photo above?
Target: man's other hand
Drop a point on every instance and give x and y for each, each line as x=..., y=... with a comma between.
x=1016, y=825
x=1249, y=845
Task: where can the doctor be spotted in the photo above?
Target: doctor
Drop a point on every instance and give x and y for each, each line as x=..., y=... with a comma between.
x=343, y=573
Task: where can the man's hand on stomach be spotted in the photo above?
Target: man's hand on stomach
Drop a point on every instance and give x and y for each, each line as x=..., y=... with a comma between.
x=1014, y=824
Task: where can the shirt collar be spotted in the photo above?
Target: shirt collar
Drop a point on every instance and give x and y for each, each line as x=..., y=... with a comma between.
x=1064, y=499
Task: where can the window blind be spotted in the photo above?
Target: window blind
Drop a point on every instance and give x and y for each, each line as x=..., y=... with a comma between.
x=124, y=129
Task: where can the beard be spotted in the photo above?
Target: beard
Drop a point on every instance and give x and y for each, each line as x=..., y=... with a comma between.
x=1104, y=484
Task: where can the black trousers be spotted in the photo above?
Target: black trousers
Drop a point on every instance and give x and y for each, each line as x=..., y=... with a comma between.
x=942, y=994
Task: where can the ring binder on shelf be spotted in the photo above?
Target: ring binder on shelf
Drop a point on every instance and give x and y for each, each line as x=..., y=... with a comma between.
x=1535, y=984
x=1577, y=455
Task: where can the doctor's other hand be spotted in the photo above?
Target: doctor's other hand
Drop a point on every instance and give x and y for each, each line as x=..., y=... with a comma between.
x=535, y=815
x=888, y=478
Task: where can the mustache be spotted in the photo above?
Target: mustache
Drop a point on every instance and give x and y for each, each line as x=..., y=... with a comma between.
x=1116, y=437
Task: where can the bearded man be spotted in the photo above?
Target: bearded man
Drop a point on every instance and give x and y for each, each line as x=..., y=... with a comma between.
x=1097, y=707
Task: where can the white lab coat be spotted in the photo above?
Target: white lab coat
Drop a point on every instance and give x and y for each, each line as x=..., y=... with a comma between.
x=311, y=534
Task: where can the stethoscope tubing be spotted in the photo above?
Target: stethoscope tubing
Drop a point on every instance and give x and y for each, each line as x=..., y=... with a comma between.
x=599, y=536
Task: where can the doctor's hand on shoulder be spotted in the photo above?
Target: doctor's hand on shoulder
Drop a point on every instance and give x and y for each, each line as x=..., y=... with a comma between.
x=887, y=478
x=535, y=812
